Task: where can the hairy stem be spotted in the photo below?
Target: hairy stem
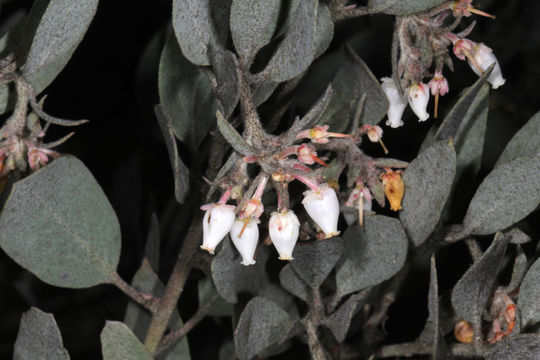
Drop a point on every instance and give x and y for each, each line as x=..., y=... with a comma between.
x=175, y=286
x=146, y=300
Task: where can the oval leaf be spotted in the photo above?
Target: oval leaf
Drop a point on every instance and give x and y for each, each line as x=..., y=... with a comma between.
x=399, y=7
x=508, y=194
x=428, y=180
x=293, y=284
x=39, y=338
x=199, y=24
x=58, y=224
x=186, y=95
x=526, y=142
x=472, y=291
x=253, y=22
x=340, y=320
x=118, y=342
x=261, y=324
x=297, y=50
x=228, y=87
x=529, y=294
x=374, y=253
x=522, y=347
x=313, y=261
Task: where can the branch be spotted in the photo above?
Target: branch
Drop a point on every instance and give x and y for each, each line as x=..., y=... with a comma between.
x=145, y=300
x=419, y=348
x=351, y=11
x=175, y=286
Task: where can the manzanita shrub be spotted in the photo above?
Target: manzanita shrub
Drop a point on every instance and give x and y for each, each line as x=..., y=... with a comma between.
x=297, y=234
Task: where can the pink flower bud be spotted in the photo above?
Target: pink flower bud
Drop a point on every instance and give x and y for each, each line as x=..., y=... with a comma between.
x=439, y=84
x=217, y=222
x=245, y=235
x=323, y=208
x=418, y=99
x=283, y=228
x=305, y=154
x=373, y=132
x=397, y=106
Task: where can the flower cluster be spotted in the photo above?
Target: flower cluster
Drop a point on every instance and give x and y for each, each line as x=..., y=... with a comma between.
x=423, y=44
x=321, y=201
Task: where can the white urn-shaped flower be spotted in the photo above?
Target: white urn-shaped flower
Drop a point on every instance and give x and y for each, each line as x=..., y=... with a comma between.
x=418, y=95
x=323, y=207
x=484, y=57
x=217, y=222
x=396, y=104
x=245, y=236
x=284, y=228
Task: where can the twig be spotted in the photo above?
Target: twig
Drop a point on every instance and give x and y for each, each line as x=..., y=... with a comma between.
x=175, y=286
x=146, y=300
x=419, y=348
x=349, y=12
x=474, y=249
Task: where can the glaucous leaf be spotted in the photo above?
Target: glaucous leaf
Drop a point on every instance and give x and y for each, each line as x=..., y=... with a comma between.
x=473, y=290
x=517, y=236
x=440, y=350
x=313, y=261
x=522, y=347
x=58, y=224
x=518, y=270
x=200, y=24
x=297, y=49
x=508, y=194
x=60, y=30
x=227, y=90
x=340, y=320
x=232, y=136
x=291, y=282
x=399, y=7
x=262, y=91
x=373, y=253
x=253, y=22
x=352, y=80
x=529, y=293
x=428, y=180
x=526, y=142
x=261, y=324
x=324, y=32
x=186, y=94
x=39, y=338
x=208, y=296
x=138, y=319
x=231, y=277
x=118, y=342
x=180, y=170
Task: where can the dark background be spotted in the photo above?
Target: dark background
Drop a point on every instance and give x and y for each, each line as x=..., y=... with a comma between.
x=112, y=80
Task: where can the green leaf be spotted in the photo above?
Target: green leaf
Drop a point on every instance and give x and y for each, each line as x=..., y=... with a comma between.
x=209, y=296
x=291, y=282
x=118, y=342
x=324, y=31
x=313, y=261
x=529, y=294
x=253, y=22
x=58, y=224
x=473, y=290
x=231, y=277
x=517, y=236
x=199, y=24
x=232, y=136
x=297, y=50
x=58, y=34
x=352, y=80
x=138, y=319
x=261, y=324
x=340, y=320
x=526, y=142
x=39, y=338
x=373, y=253
x=180, y=170
x=399, y=7
x=228, y=87
x=508, y=194
x=522, y=347
x=428, y=180
x=518, y=270
x=186, y=95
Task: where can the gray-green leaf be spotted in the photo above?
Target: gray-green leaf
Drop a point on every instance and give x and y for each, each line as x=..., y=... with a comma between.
x=340, y=320
x=227, y=90
x=58, y=224
x=199, y=24
x=473, y=290
x=428, y=180
x=399, y=7
x=39, y=338
x=373, y=253
x=291, y=282
x=526, y=142
x=253, y=22
x=352, y=80
x=232, y=136
x=186, y=95
x=508, y=194
x=529, y=294
x=522, y=347
x=118, y=342
x=313, y=261
x=261, y=324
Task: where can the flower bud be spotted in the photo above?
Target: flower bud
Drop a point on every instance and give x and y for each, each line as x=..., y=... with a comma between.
x=438, y=84
x=217, y=222
x=418, y=99
x=484, y=57
x=393, y=188
x=245, y=235
x=463, y=332
x=323, y=208
x=283, y=228
x=397, y=106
